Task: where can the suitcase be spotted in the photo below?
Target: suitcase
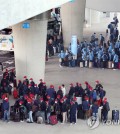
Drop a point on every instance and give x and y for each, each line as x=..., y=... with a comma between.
x=109, y=64
x=53, y=120
x=119, y=65
x=80, y=114
x=73, y=63
x=79, y=100
x=90, y=64
x=81, y=64
x=39, y=120
x=17, y=116
x=115, y=115
x=15, y=94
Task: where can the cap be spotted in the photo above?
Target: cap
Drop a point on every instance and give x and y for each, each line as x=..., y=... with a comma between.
x=41, y=80
x=105, y=100
x=3, y=96
x=97, y=81
x=61, y=100
x=71, y=84
x=25, y=77
x=44, y=83
x=48, y=97
x=21, y=102
x=29, y=100
x=86, y=83
x=77, y=83
x=80, y=84
x=59, y=87
x=86, y=98
x=29, y=85
x=75, y=99
x=41, y=99
x=35, y=85
x=31, y=95
x=58, y=96
x=31, y=78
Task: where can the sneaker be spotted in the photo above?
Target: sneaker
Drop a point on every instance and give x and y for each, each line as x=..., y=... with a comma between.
x=70, y=123
x=62, y=123
x=21, y=121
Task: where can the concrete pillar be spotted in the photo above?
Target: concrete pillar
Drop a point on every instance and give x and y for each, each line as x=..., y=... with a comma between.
x=73, y=16
x=30, y=48
x=95, y=16
x=88, y=17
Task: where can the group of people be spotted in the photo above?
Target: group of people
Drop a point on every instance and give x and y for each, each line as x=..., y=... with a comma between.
x=100, y=53
x=33, y=101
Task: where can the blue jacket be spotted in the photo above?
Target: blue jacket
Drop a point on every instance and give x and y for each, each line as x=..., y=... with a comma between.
x=95, y=108
x=73, y=109
x=86, y=105
x=51, y=92
x=91, y=56
x=5, y=105
x=61, y=55
x=115, y=59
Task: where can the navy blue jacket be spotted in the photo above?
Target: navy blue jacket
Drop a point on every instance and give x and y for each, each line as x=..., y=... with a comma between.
x=5, y=105
x=86, y=105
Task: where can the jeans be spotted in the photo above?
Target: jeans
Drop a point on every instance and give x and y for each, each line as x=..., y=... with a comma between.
x=6, y=115
x=48, y=115
x=30, y=116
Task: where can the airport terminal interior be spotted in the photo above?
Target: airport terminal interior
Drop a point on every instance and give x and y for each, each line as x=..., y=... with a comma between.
x=62, y=54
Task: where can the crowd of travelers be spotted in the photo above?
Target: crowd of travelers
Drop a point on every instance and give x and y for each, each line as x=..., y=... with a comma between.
x=43, y=104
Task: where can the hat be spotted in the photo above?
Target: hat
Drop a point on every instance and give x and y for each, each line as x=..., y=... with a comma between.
x=35, y=85
x=58, y=96
x=41, y=80
x=19, y=81
x=6, y=99
x=75, y=99
x=105, y=100
x=97, y=81
x=86, y=98
x=29, y=85
x=31, y=78
x=80, y=84
x=51, y=86
x=41, y=99
x=25, y=97
x=61, y=100
x=59, y=87
x=21, y=102
x=25, y=77
x=48, y=97
x=3, y=96
x=29, y=100
x=71, y=84
x=86, y=83
x=31, y=95
x=77, y=83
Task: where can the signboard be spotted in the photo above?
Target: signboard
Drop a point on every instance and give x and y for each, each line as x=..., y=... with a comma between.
x=26, y=25
x=6, y=43
x=74, y=45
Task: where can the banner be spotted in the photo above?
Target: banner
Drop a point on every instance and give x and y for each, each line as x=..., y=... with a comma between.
x=6, y=43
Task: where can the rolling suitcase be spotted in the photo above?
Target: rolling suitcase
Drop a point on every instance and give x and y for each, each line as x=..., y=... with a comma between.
x=80, y=114
x=81, y=64
x=115, y=115
x=53, y=120
x=119, y=65
x=90, y=64
x=17, y=116
x=109, y=64
x=39, y=120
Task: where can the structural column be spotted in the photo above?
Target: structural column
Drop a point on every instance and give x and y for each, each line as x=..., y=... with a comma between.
x=87, y=17
x=95, y=16
x=73, y=16
x=30, y=47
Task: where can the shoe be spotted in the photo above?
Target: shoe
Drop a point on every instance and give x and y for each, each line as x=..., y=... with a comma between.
x=70, y=123
x=62, y=123
x=21, y=121
x=74, y=123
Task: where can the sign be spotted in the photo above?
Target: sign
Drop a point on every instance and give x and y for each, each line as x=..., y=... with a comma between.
x=26, y=25
x=6, y=43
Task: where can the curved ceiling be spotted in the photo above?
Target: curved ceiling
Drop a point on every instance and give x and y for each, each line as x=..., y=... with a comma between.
x=104, y=5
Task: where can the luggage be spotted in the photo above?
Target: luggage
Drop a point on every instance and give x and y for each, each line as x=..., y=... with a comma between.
x=80, y=114
x=81, y=64
x=39, y=120
x=90, y=64
x=12, y=113
x=17, y=116
x=73, y=63
x=115, y=115
x=109, y=64
x=53, y=120
x=79, y=100
x=119, y=65
x=15, y=94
